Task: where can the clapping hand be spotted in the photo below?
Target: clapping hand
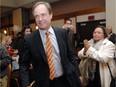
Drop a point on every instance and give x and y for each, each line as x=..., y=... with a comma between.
x=86, y=45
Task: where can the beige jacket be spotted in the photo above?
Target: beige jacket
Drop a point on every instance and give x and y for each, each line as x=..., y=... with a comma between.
x=104, y=55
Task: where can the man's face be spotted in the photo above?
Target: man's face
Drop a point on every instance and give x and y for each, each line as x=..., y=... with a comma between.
x=68, y=22
x=109, y=30
x=42, y=17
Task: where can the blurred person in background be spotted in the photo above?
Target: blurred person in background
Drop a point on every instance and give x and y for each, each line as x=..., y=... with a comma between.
x=26, y=30
x=5, y=60
x=111, y=35
x=68, y=26
x=15, y=40
x=94, y=58
x=7, y=42
x=71, y=36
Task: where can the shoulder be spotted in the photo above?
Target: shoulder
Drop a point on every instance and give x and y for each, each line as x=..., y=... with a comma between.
x=3, y=50
x=57, y=28
x=61, y=30
x=108, y=43
x=32, y=35
x=2, y=46
x=112, y=35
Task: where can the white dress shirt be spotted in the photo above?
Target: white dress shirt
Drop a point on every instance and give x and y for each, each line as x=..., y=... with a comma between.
x=55, y=48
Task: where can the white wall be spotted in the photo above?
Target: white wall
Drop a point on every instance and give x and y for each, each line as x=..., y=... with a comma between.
x=111, y=14
x=58, y=23
x=97, y=16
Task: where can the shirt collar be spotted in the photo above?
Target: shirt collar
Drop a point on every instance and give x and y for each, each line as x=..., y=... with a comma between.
x=50, y=30
x=42, y=32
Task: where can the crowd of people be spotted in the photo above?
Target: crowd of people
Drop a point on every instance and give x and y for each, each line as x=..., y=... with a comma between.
x=48, y=57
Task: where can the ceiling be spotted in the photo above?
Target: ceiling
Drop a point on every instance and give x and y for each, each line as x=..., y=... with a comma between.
x=9, y=5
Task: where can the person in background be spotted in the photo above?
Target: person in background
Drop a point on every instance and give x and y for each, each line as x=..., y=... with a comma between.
x=5, y=60
x=47, y=48
x=26, y=30
x=94, y=58
x=7, y=43
x=15, y=40
x=111, y=35
x=68, y=26
x=70, y=30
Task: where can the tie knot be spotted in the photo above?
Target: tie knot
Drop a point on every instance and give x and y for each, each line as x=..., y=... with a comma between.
x=47, y=33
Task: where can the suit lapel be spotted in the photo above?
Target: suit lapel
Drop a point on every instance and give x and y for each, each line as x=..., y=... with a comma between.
x=40, y=46
x=58, y=39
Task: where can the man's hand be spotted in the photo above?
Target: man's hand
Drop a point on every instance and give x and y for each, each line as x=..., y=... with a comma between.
x=32, y=83
x=72, y=28
x=29, y=86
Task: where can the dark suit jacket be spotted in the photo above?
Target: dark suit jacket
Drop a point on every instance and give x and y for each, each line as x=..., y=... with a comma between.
x=34, y=51
x=112, y=38
x=20, y=48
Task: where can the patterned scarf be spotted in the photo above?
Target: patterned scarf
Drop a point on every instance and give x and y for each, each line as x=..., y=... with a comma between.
x=92, y=62
x=88, y=65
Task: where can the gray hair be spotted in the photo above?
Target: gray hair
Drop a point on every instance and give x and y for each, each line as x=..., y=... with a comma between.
x=44, y=3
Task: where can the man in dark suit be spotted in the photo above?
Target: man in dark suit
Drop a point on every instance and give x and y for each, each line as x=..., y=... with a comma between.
x=111, y=35
x=65, y=65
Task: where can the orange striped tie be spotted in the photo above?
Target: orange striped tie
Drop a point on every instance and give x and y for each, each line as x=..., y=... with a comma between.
x=50, y=55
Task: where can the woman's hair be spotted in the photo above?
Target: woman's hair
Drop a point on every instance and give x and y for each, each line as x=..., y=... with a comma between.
x=5, y=39
x=8, y=39
x=2, y=38
x=44, y=3
x=24, y=28
x=104, y=30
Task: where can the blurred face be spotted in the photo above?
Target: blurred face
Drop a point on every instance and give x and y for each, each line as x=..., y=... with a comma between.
x=27, y=31
x=8, y=40
x=98, y=34
x=42, y=17
x=109, y=30
x=68, y=22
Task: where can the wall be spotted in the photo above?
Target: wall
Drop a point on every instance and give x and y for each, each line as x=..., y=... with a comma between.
x=17, y=17
x=97, y=16
x=72, y=6
x=68, y=6
x=111, y=14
